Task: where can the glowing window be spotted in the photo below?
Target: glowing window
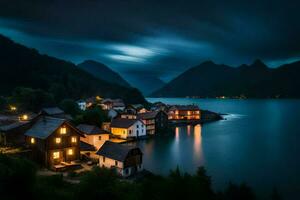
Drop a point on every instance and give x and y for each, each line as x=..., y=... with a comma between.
x=57, y=140
x=32, y=140
x=63, y=130
x=56, y=155
x=73, y=139
x=70, y=152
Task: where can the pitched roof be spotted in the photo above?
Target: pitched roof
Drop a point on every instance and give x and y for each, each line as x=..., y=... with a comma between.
x=184, y=107
x=13, y=125
x=86, y=146
x=136, y=106
x=44, y=127
x=114, y=151
x=122, y=122
x=53, y=111
x=91, y=129
x=147, y=115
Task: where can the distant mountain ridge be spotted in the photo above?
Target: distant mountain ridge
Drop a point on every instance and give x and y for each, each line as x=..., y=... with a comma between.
x=21, y=66
x=210, y=80
x=103, y=72
x=145, y=83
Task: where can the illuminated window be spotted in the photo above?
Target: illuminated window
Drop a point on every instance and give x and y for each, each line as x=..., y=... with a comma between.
x=32, y=140
x=56, y=155
x=70, y=152
x=63, y=130
x=73, y=139
x=57, y=140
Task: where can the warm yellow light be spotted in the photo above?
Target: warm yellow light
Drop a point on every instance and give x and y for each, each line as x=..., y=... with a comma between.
x=70, y=152
x=57, y=140
x=32, y=140
x=56, y=155
x=73, y=139
x=98, y=98
x=63, y=130
x=13, y=108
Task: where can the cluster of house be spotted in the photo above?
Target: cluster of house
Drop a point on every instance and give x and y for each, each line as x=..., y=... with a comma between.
x=58, y=144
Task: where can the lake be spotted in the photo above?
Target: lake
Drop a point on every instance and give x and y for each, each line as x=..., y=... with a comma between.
x=258, y=143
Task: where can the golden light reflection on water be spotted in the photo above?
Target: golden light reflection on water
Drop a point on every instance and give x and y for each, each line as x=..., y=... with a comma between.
x=177, y=134
x=198, y=151
x=189, y=130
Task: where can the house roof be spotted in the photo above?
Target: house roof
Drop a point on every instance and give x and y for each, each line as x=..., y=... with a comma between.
x=53, y=111
x=86, y=146
x=13, y=125
x=91, y=129
x=44, y=127
x=136, y=106
x=122, y=122
x=147, y=115
x=184, y=107
x=114, y=151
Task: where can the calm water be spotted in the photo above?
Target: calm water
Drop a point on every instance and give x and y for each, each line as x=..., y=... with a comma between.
x=259, y=144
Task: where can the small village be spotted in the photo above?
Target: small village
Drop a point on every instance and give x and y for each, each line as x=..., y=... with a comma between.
x=51, y=138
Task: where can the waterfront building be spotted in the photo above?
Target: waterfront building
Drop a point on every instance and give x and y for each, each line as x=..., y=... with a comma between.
x=184, y=112
x=127, y=128
x=125, y=160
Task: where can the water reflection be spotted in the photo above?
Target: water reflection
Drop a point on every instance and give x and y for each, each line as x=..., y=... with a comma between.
x=198, y=152
x=189, y=130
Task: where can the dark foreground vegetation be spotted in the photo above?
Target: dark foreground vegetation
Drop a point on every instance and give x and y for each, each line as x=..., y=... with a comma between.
x=19, y=179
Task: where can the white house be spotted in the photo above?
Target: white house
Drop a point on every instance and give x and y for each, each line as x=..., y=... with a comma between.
x=81, y=104
x=125, y=160
x=128, y=128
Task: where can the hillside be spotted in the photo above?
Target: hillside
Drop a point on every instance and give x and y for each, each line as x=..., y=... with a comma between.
x=251, y=81
x=102, y=72
x=145, y=83
x=22, y=66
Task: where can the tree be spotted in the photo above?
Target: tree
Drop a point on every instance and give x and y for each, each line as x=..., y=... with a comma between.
x=31, y=99
x=3, y=103
x=16, y=174
x=70, y=107
x=95, y=116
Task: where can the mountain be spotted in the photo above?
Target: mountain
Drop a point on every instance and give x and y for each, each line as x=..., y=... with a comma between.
x=145, y=83
x=252, y=81
x=25, y=67
x=102, y=72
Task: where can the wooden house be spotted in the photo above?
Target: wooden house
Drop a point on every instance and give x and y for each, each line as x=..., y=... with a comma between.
x=184, y=112
x=12, y=128
x=155, y=121
x=135, y=109
x=125, y=160
x=54, y=142
x=127, y=128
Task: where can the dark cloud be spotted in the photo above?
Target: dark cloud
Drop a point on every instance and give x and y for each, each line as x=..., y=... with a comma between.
x=158, y=37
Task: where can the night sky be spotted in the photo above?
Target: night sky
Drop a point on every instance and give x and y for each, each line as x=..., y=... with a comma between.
x=162, y=38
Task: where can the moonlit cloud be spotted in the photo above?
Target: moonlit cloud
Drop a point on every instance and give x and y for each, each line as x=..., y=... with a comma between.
x=126, y=58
